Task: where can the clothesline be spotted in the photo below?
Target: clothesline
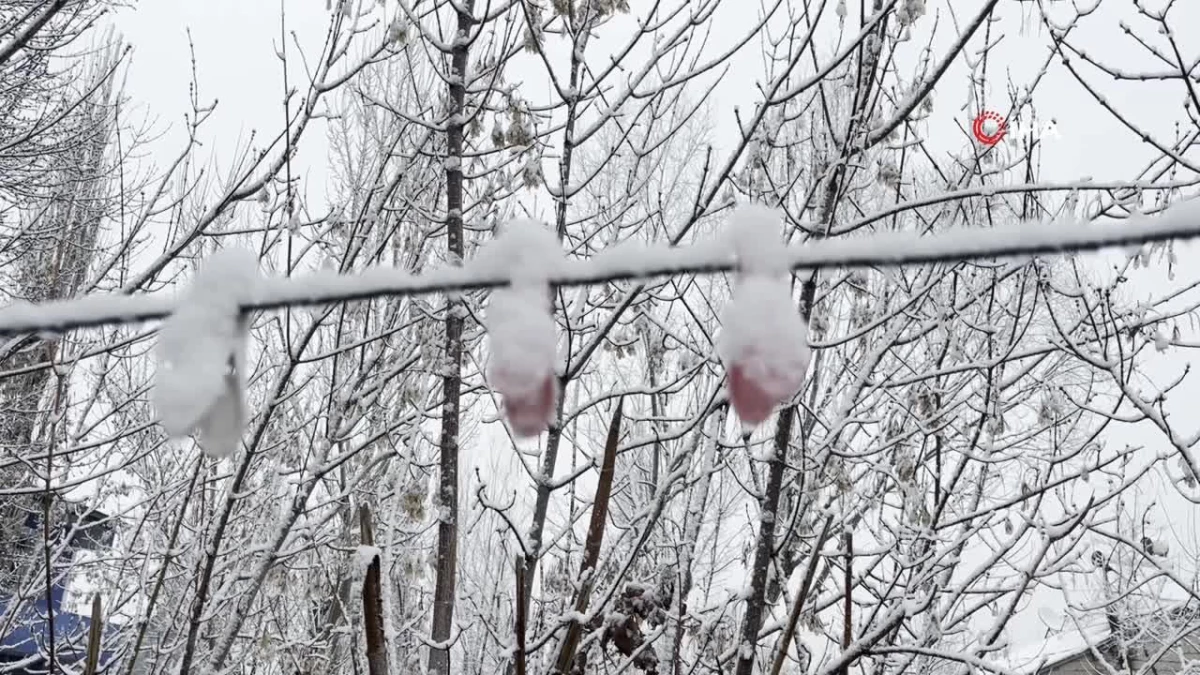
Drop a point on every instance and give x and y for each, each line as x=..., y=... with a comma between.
x=889, y=249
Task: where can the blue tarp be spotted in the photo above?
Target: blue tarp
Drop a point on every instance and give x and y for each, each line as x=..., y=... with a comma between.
x=29, y=634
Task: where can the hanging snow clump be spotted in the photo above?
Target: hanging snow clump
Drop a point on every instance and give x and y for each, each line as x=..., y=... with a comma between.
x=521, y=331
x=763, y=342
x=200, y=383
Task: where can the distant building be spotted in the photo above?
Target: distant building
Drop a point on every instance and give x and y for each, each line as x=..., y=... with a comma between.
x=25, y=622
x=1163, y=642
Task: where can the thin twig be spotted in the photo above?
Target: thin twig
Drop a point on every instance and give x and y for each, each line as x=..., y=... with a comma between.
x=809, y=573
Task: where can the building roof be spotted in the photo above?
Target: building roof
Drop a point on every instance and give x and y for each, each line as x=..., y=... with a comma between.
x=1095, y=631
x=1060, y=647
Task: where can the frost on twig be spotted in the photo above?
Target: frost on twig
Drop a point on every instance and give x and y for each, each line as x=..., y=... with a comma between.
x=200, y=382
x=524, y=344
x=763, y=340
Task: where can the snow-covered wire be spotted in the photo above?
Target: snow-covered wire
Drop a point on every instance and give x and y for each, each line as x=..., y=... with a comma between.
x=888, y=249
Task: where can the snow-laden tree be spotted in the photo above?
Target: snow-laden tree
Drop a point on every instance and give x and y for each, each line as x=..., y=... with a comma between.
x=59, y=187
x=896, y=513
x=85, y=214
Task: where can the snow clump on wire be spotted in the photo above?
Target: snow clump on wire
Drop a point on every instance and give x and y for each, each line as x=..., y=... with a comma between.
x=200, y=382
x=522, y=335
x=763, y=342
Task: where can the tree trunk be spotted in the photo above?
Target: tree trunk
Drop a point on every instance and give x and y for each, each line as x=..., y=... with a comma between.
x=372, y=597
x=752, y=621
x=447, y=543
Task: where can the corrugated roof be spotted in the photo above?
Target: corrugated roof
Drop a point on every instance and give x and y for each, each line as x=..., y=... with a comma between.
x=1058, y=647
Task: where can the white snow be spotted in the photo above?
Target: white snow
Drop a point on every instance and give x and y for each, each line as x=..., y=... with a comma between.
x=201, y=355
x=879, y=250
x=524, y=350
x=756, y=240
x=525, y=252
x=763, y=334
x=521, y=331
x=1075, y=639
x=762, y=342
x=363, y=556
x=523, y=340
x=1161, y=341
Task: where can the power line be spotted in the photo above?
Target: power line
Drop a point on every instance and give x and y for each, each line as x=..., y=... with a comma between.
x=888, y=249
